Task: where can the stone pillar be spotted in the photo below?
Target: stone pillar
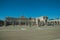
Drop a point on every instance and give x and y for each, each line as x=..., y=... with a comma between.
x=13, y=23
x=19, y=22
x=4, y=22
x=37, y=22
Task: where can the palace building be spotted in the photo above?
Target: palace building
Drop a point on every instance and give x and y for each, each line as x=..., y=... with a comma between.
x=20, y=21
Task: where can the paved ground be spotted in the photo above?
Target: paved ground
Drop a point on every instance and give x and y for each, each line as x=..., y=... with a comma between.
x=31, y=34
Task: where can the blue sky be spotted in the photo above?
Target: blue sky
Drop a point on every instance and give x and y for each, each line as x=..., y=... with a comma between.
x=30, y=8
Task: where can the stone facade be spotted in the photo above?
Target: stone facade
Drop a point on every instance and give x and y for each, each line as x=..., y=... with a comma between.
x=39, y=21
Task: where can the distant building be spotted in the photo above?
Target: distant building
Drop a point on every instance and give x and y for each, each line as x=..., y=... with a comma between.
x=54, y=21
x=20, y=21
x=39, y=21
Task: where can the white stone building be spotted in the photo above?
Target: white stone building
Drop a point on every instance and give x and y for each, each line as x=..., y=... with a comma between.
x=41, y=20
x=54, y=21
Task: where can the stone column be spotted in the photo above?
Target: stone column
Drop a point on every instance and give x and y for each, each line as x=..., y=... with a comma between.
x=37, y=22
x=4, y=22
x=19, y=22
